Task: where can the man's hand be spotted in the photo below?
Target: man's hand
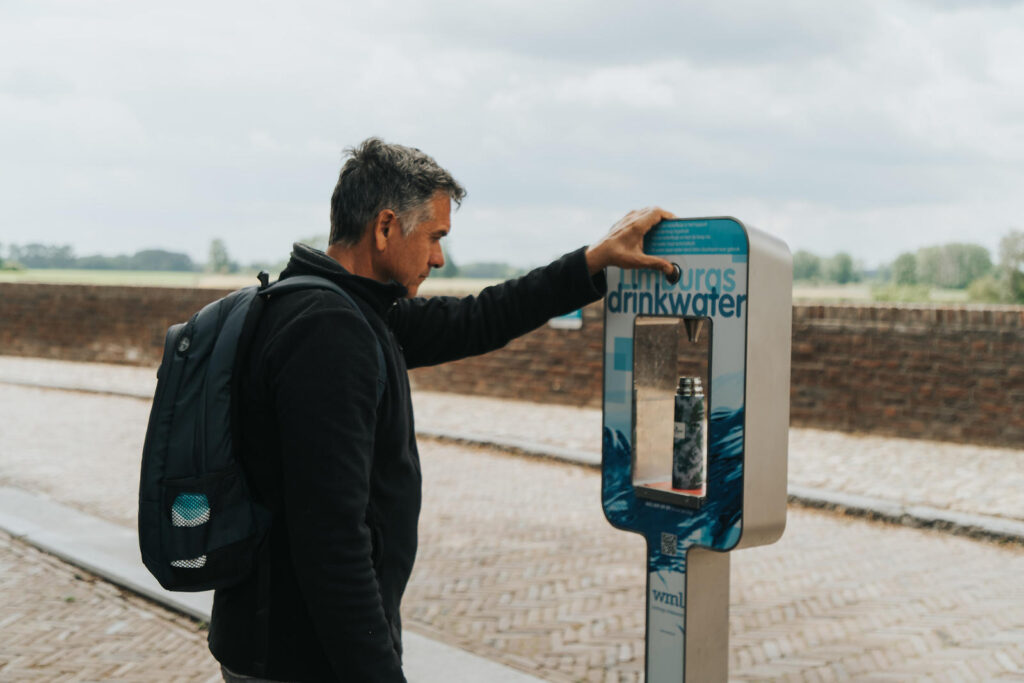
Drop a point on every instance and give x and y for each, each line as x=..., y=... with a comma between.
x=623, y=245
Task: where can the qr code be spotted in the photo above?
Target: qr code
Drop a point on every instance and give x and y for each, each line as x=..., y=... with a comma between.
x=669, y=544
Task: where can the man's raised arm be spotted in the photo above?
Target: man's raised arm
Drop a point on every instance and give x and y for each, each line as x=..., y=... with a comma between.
x=441, y=329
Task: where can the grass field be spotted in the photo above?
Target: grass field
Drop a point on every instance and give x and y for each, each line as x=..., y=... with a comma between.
x=139, y=278
x=158, y=278
x=802, y=291
x=866, y=293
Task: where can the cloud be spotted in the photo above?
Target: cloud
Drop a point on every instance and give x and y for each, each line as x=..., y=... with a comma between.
x=607, y=32
x=186, y=121
x=959, y=5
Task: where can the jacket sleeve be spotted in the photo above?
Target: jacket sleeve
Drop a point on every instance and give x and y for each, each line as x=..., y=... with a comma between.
x=323, y=372
x=441, y=329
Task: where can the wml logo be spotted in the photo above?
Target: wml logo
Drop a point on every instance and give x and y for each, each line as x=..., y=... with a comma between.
x=666, y=598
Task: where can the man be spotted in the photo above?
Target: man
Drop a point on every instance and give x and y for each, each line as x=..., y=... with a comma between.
x=337, y=467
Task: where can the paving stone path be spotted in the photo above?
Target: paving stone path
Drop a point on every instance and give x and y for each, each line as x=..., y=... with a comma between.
x=59, y=623
x=517, y=563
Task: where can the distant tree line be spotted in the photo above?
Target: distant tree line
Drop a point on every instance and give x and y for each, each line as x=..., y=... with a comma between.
x=968, y=267
x=492, y=270
x=839, y=269
x=948, y=266
x=218, y=260
x=957, y=265
x=952, y=266
x=1005, y=282
x=36, y=255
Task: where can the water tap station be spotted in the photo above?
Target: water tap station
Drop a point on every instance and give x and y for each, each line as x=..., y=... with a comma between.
x=696, y=419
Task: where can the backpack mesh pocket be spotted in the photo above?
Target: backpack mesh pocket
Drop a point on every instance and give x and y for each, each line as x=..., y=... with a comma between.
x=190, y=510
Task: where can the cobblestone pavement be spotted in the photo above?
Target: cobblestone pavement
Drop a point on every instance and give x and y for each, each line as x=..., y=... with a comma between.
x=59, y=623
x=517, y=564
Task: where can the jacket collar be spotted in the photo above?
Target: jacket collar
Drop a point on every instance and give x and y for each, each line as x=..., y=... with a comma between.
x=306, y=260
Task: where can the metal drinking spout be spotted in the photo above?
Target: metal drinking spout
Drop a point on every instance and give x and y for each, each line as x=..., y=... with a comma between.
x=694, y=326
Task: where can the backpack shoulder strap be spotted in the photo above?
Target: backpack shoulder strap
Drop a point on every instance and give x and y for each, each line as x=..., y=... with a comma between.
x=298, y=282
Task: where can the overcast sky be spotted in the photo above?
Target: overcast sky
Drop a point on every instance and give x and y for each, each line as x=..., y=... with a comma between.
x=871, y=127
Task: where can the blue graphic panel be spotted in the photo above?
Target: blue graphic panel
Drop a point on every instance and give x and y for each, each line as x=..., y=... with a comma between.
x=710, y=236
x=616, y=386
x=712, y=256
x=623, y=359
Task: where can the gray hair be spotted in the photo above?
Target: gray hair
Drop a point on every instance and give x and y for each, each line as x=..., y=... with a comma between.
x=378, y=176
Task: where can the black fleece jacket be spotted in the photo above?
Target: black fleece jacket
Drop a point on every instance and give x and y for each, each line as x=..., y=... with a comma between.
x=340, y=472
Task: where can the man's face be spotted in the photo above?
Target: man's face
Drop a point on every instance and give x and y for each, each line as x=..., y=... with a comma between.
x=410, y=257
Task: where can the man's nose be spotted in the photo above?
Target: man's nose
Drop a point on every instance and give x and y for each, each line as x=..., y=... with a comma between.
x=437, y=257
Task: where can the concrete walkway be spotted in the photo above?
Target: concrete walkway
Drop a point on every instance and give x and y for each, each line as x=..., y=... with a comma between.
x=966, y=489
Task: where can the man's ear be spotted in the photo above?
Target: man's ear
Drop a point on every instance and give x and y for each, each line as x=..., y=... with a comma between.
x=384, y=225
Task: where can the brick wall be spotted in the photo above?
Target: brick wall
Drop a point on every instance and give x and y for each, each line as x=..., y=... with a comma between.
x=94, y=322
x=919, y=371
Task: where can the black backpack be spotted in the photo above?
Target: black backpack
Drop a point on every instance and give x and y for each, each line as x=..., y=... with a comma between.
x=199, y=528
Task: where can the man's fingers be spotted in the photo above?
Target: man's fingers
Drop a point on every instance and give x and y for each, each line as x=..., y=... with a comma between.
x=624, y=243
x=643, y=219
x=655, y=263
x=651, y=216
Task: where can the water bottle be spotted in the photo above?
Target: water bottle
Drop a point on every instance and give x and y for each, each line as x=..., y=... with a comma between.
x=688, y=435
x=190, y=510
